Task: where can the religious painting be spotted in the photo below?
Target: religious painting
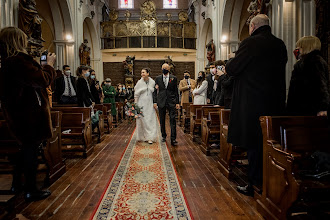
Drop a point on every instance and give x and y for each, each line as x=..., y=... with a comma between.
x=170, y=3
x=126, y=4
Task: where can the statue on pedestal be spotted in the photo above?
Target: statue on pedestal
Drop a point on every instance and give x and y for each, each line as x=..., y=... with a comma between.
x=128, y=65
x=210, y=51
x=30, y=23
x=84, y=53
x=169, y=61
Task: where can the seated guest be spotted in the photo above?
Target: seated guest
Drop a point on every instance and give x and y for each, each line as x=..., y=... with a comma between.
x=25, y=106
x=92, y=83
x=65, y=87
x=200, y=92
x=309, y=92
x=185, y=87
x=109, y=95
x=85, y=98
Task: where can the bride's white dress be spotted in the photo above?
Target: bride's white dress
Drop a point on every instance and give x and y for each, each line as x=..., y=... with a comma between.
x=146, y=127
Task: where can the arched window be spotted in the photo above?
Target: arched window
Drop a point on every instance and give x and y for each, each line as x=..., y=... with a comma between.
x=170, y=3
x=126, y=3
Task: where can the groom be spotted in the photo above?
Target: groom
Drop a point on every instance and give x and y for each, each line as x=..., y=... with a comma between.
x=166, y=96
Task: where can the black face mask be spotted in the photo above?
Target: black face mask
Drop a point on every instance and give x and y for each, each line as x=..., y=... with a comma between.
x=186, y=77
x=165, y=71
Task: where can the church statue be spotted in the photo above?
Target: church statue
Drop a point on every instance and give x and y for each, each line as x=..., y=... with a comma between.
x=29, y=21
x=169, y=61
x=210, y=51
x=84, y=53
x=257, y=7
x=128, y=65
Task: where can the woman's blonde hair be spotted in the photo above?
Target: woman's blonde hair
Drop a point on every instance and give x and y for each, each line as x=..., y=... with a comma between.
x=13, y=41
x=308, y=43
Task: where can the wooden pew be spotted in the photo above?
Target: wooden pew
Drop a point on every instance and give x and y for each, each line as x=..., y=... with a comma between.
x=210, y=127
x=102, y=119
x=228, y=152
x=115, y=118
x=108, y=118
x=287, y=143
x=52, y=151
x=196, y=119
x=52, y=164
x=120, y=111
x=78, y=120
x=186, y=117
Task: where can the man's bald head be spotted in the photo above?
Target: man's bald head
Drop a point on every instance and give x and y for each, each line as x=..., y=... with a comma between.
x=258, y=21
x=166, y=66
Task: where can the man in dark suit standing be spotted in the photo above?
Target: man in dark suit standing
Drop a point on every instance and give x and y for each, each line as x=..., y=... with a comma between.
x=259, y=89
x=65, y=87
x=166, y=96
x=210, y=81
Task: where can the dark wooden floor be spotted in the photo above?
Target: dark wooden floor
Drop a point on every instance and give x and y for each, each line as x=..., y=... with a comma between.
x=75, y=195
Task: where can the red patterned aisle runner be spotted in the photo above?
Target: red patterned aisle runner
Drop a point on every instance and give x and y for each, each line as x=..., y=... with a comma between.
x=144, y=186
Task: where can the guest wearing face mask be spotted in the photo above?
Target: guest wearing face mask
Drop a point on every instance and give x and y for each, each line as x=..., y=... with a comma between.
x=185, y=86
x=84, y=95
x=109, y=95
x=92, y=83
x=210, y=80
x=65, y=87
x=200, y=92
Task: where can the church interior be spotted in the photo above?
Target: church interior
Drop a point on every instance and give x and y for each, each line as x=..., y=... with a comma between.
x=102, y=171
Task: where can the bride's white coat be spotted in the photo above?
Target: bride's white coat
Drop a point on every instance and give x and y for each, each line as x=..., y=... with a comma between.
x=146, y=127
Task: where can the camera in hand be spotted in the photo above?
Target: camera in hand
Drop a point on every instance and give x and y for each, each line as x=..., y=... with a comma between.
x=220, y=68
x=43, y=58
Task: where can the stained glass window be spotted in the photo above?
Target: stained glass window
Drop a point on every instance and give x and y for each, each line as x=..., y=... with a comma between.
x=170, y=3
x=126, y=4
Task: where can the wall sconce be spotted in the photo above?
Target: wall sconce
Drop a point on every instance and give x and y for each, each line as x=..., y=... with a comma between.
x=68, y=37
x=224, y=39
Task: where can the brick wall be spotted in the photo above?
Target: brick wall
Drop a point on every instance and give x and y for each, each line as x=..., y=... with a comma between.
x=115, y=70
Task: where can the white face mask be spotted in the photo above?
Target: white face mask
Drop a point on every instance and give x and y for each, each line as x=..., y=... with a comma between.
x=68, y=72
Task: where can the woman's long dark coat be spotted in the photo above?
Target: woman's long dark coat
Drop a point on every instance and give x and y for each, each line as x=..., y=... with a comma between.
x=259, y=87
x=309, y=86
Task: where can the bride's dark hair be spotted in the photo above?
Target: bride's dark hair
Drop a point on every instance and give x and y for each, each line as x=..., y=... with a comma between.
x=147, y=69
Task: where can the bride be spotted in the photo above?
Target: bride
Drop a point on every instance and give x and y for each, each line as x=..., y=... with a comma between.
x=146, y=127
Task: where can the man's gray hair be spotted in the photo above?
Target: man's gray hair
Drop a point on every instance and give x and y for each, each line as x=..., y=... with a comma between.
x=260, y=20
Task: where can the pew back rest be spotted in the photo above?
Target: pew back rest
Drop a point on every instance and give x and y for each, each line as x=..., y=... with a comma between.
x=101, y=107
x=198, y=114
x=56, y=117
x=207, y=109
x=224, y=116
x=84, y=110
x=193, y=108
x=72, y=120
x=214, y=118
x=301, y=134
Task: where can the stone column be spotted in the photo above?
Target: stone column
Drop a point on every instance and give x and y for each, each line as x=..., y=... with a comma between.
x=65, y=54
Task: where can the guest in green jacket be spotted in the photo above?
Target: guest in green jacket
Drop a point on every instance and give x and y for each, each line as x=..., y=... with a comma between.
x=109, y=95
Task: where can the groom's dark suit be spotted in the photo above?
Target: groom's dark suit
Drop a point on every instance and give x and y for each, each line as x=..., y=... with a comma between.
x=167, y=98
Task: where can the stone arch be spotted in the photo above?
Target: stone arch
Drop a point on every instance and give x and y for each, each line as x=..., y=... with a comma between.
x=57, y=24
x=205, y=37
x=90, y=33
